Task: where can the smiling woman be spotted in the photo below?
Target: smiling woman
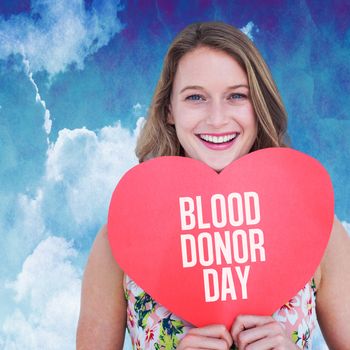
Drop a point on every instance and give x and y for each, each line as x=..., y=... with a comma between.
x=215, y=102
x=243, y=75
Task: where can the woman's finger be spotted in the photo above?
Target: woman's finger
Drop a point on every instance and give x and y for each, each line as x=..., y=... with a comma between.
x=253, y=335
x=275, y=342
x=191, y=341
x=214, y=337
x=215, y=331
x=243, y=322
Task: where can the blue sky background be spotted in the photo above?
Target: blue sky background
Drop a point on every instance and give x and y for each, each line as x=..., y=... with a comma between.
x=75, y=79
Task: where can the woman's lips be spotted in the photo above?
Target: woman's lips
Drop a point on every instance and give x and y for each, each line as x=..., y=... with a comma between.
x=221, y=141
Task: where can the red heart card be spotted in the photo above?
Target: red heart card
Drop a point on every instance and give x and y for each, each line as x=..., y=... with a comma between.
x=210, y=246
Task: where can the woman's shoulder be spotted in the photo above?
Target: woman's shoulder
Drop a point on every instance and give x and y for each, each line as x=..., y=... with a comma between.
x=101, y=253
x=337, y=251
x=101, y=268
x=102, y=237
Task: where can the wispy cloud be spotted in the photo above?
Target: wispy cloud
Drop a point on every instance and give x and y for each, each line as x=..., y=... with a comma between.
x=249, y=28
x=139, y=110
x=47, y=119
x=57, y=34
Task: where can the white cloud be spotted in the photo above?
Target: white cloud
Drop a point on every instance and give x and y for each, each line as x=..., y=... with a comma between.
x=82, y=169
x=30, y=215
x=47, y=292
x=59, y=33
x=38, y=278
x=248, y=29
x=27, y=230
x=87, y=166
x=139, y=110
x=137, y=106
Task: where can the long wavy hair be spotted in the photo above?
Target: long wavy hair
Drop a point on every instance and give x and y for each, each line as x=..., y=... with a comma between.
x=158, y=137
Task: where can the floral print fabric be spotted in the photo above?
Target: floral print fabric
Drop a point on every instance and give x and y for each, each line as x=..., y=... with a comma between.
x=298, y=316
x=152, y=326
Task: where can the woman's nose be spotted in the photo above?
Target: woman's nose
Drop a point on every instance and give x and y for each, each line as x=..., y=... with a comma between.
x=217, y=116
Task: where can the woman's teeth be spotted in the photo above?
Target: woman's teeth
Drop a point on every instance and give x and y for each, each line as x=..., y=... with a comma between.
x=218, y=139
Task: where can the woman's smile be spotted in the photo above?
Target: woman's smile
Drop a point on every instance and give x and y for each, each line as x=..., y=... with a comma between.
x=220, y=141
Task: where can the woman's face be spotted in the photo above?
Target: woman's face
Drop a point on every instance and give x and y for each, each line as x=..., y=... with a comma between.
x=211, y=108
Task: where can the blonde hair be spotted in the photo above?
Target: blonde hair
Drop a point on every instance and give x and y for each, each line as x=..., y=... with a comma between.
x=158, y=137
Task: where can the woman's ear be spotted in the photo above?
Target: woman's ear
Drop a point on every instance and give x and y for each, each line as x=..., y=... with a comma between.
x=170, y=118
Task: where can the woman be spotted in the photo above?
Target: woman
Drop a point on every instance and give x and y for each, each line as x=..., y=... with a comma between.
x=215, y=101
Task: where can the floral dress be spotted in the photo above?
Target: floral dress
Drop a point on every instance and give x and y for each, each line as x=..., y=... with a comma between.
x=152, y=326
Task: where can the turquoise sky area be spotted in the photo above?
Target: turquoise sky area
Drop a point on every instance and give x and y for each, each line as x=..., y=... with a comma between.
x=76, y=79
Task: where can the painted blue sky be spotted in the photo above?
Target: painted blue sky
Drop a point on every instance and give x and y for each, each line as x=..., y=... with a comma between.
x=75, y=79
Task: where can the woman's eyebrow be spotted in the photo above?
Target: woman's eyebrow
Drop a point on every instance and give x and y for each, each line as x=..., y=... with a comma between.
x=238, y=86
x=197, y=87
x=192, y=87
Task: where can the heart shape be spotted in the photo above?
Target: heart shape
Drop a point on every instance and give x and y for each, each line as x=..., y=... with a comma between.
x=210, y=246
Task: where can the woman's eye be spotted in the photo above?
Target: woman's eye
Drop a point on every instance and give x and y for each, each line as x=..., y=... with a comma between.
x=237, y=96
x=195, y=98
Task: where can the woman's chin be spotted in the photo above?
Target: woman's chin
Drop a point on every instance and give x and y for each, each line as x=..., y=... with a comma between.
x=217, y=162
x=218, y=166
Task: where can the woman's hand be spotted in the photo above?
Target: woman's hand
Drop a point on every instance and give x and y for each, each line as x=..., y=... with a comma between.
x=215, y=337
x=260, y=333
